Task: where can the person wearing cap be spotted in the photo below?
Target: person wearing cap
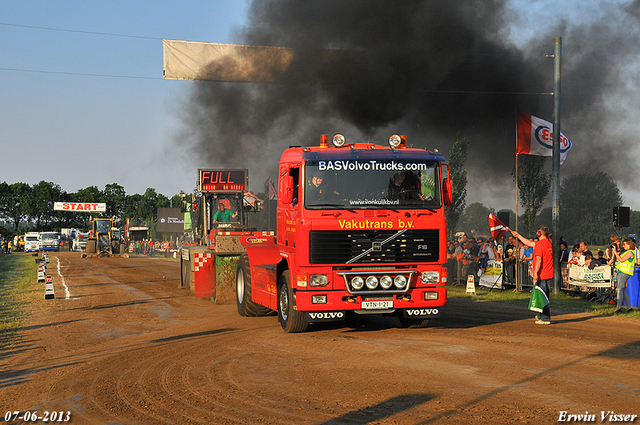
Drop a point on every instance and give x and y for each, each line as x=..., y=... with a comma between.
x=223, y=215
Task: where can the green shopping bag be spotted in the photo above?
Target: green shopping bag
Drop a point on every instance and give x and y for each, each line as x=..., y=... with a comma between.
x=538, y=299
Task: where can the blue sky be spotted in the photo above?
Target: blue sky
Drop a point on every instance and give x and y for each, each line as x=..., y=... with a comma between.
x=83, y=107
x=59, y=110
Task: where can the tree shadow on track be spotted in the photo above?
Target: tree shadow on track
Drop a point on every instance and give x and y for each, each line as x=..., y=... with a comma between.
x=192, y=335
x=380, y=411
x=16, y=377
x=123, y=304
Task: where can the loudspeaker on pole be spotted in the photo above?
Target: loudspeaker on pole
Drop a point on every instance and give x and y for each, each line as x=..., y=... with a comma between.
x=621, y=217
x=503, y=216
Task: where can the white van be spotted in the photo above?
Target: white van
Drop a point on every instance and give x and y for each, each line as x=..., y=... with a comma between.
x=31, y=241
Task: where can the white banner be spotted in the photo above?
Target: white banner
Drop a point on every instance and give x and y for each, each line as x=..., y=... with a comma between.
x=242, y=63
x=193, y=60
x=80, y=206
x=598, y=277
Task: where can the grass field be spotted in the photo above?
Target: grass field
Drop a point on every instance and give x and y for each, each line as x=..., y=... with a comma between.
x=559, y=302
x=17, y=274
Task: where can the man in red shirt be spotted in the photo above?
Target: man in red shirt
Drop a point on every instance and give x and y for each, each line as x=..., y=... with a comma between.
x=542, y=267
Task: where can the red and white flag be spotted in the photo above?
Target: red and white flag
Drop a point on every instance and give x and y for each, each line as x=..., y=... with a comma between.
x=535, y=137
x=273, y=194
x=498, y=229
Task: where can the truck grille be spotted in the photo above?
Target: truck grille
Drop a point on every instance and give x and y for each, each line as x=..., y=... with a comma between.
x=341, y=246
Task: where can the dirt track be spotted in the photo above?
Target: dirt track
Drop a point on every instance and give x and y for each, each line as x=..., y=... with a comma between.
x=130, y=347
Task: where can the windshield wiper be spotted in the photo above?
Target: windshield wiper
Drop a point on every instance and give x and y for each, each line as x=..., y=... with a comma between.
x=337, y=206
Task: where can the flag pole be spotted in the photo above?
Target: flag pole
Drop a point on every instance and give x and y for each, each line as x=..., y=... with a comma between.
x=555, y=175
x=518, y=277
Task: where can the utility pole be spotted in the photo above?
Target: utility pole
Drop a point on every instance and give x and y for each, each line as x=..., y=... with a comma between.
x=555, y=174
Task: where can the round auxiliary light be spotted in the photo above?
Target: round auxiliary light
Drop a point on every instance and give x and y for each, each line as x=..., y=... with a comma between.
x=339, y=140
x=357, y=283
x=400, y=281
x=386, y=282
x=395, y=141
x=372, y=282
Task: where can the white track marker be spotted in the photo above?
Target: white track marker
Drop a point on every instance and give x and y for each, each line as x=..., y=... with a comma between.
x=66, y=288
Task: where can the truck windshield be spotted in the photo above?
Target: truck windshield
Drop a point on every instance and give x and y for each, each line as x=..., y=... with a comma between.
x=386, y=184
x=103, y=226
x=48, y=236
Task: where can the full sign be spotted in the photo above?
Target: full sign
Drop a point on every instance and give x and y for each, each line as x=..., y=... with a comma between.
x=80, y=206
x=222, y=180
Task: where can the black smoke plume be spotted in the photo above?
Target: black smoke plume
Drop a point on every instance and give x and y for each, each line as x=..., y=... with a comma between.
x=432, y=70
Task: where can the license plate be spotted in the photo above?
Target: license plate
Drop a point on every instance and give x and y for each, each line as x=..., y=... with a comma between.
x=376, y=305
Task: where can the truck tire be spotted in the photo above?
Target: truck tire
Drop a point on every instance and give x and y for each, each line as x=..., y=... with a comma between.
x=246, y=306
x=92, y=245
x=411, y=323
x=292, y=321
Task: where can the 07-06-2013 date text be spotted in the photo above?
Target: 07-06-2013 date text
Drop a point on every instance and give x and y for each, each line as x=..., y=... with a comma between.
x=34, y=416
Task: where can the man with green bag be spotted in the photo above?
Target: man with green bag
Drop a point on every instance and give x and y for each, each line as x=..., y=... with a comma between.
x=542, y=272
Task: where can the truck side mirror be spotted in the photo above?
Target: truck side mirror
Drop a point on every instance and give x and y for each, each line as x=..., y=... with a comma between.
x=287, y=192
x=447, y=191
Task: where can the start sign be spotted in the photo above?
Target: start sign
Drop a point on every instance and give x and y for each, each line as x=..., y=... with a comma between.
x=80, y=206
x=222, y=180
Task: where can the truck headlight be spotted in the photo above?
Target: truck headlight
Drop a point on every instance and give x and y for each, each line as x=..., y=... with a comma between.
x=386, y=282
x=357, y=283
x=400, y=281
x=339, y=140
x=372, y=282
x=318, y=280
x=430, y=277
x=395, y=141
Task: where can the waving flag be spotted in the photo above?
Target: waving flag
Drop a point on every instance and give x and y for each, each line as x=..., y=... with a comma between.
x=498, y=229
x=273, y=194
x=535, y=137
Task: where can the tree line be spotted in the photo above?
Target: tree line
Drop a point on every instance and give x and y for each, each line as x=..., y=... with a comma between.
x=25, y=207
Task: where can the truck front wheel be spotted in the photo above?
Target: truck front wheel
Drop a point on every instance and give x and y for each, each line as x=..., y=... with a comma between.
x=291, y=320
x=246, y=306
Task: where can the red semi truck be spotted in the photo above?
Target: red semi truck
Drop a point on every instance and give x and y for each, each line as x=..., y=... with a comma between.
x=360, y=229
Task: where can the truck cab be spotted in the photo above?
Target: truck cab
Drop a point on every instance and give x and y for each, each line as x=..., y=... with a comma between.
x=80, y=241
x=360, y=229
x=49, y=241
x=31, y=241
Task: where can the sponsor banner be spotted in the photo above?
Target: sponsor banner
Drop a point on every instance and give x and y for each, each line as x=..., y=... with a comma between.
x=492, y=275
x=579, y=275
x=80, y=206
x=325, y=316
x=170, y=220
